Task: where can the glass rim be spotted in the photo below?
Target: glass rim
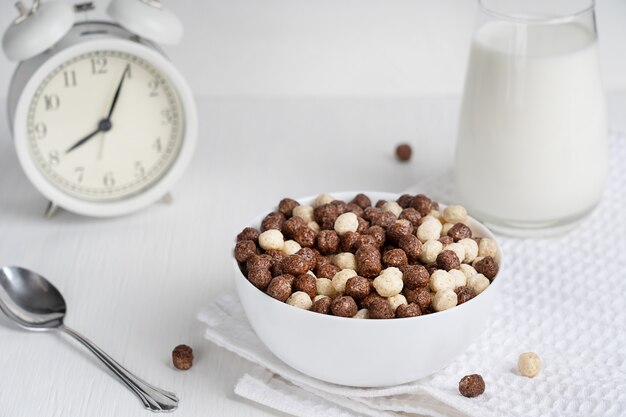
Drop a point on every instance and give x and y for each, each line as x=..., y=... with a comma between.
x=536, y=19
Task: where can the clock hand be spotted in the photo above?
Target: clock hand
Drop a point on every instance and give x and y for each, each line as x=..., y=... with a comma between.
x=117, y=93
x=103, y=126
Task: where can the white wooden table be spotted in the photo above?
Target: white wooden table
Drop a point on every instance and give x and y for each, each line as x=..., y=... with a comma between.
x=134, y=284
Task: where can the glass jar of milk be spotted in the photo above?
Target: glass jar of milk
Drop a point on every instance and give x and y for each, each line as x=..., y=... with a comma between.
x=531, y=157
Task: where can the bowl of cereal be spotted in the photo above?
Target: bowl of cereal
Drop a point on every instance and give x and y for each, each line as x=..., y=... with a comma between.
x=367, y=289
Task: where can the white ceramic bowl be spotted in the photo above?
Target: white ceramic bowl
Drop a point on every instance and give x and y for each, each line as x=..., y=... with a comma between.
x=365, y=353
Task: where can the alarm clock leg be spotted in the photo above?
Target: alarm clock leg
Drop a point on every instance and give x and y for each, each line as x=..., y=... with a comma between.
x=51, y=210
x=167, y=199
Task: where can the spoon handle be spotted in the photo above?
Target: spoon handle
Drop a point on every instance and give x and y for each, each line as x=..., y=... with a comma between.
x=153, y=399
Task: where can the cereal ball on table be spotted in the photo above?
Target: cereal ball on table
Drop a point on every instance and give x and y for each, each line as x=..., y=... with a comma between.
x=471, y=386
x=389, y=282
x=182, y=357
x=529, y=364
x=271, y=240
x=300, y=299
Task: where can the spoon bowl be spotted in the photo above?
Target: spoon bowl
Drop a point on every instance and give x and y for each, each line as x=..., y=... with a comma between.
x=33, y=303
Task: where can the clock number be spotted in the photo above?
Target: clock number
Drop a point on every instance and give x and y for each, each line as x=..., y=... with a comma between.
x=129, y=72
x=80, y=174
x=40, y=130
x=140, y=171
x=52, y=102
x=154, y=87
x=167, y=117
x=70, y=78
x=109, y=180
x=99, y=66
x=53, y=159
x=157, y=145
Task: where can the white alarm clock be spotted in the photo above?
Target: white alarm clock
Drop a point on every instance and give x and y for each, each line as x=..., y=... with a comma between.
x=103, y=123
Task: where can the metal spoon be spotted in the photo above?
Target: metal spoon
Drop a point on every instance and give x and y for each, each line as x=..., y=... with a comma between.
x=35, y=304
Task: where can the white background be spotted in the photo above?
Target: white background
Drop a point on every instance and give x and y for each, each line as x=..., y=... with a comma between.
x=336, y=47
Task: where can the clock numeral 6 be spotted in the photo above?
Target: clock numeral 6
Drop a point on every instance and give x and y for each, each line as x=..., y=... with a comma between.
x=54, y=159
x=99, y=65
x=40, y=130
x=140, y=170
x=52, y=102
x=168, y=117
x=109, y=179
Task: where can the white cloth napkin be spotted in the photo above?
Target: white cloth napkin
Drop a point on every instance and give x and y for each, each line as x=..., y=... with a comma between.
x=563, y=298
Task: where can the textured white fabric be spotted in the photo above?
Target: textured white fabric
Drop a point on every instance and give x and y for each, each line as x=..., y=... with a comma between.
x=564, y=298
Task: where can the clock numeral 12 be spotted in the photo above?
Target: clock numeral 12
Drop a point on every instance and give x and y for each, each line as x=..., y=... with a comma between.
x=99, y=66
x=70, y=78
x=52, y=102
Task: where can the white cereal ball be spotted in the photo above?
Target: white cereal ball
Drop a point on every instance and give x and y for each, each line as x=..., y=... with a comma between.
x=429, y=230
x=291, y=247
x=319, y=297
x=392, y=207
x=471, y=249
x=323, y=199
x=458, y=249
x=389, y=282
x=325, y=287
x=345, y=260
x=446, y=228
x=529, y=364
x=430, y=217
x=396, y=301
x=347, y=222
x=478, y=283
x=430, y=250
x=487, y=247
x=437, y=215
x=300, y=299
x=271, y=240
x=314, y=226
x=304, y=212
x=311, y=273
x=363, y=313
x=468, y=270
x=460, y=279
x=441, y=280
x=340, y=279
x=455, y=214
x=444, y=300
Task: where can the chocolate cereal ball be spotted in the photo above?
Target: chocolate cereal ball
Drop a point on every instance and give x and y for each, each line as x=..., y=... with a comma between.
x=260, y=277
x=403, y=152
x=415, y=276
x=295, y=265
x=405, y=200
x=327, y=271
x=355, y=208
x=349, y=241
x=422, y=204
x=249, y=233
x=305, y=236
x=327, y=242
x=464, y=294
x=325, y=215
x=344, y=306
x=411, y=245
x=259, y=262
x=306, y=283
x=420, y=296
x=280, y=287
x=395, y=257
x=471, y=386
x=379, y=308
x=411, y=215
x=362, y=201
x=408, y=310
x=488, y=267
x=460, y=231
x=310, y=255
x=287, y=205
x=292, y=225
x=448, y=260
x=322, y=305
x=358, y=287
x=378, y=233
x=446, y=240
x=399, y=229
x=274, y=220
x=244, y=249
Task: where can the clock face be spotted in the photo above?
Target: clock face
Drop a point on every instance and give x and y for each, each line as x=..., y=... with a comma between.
x=105, y=126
